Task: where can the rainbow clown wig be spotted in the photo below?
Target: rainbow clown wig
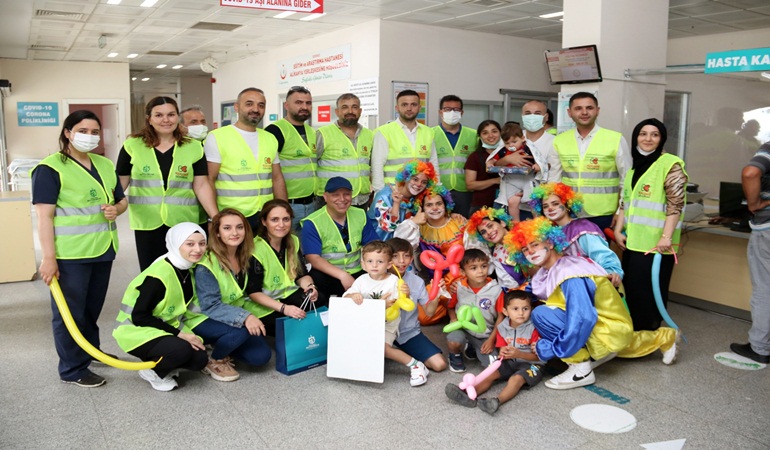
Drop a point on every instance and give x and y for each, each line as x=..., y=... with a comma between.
x=443, y=192
x=414, y=167
x=486, y=213
x=539, y=229
x=571, y=199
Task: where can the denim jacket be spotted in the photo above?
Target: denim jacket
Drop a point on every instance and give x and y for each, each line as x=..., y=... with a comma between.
x=211, y=303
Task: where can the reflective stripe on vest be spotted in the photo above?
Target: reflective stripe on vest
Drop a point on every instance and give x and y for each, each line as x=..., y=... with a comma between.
x=451, y=160
x=401, y=151
x=298, y=160
x=645, y=205
x=80, y=229
x=231, y=292
x=276, y=282
x=342, y=159
x=333, y=247
x=595, y=174
x=170, y=309
x=244, y=183
x=149, y=204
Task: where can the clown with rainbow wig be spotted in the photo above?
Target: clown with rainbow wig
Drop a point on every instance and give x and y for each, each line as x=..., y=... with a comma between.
x=584, y=322
x=559, y=203
x=485, y=230
x=398, y=202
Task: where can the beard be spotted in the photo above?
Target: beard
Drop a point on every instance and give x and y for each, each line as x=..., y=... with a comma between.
x=300, y=116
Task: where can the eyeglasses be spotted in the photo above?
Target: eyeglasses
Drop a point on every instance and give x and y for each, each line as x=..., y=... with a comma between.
x=295, y=89
x=452, y=109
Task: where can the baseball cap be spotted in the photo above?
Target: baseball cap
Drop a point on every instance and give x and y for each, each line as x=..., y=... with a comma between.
x=336, y=183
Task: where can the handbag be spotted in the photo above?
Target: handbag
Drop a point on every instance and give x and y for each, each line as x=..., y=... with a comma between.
x=301, y=344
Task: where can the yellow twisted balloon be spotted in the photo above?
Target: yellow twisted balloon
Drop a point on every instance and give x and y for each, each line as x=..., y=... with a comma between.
x=402, y=302
x=72, y=327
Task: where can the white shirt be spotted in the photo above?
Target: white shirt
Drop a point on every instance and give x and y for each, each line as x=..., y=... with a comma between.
x=545, y=145
x=380, y=155
x=214, y=154
x=367, y=286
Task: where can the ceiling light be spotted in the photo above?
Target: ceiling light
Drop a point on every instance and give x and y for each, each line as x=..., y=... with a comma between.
x=132, y=55
x=114, y=2
x=160, y=66
x=284, y=14
x=148, y=3
x=145, y=78
x=552, y=15
x=178, y=66
x=312, y=17
x=112, y=55
x=133, y=78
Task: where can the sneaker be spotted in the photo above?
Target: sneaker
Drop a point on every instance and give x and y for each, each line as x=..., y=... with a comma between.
x=469, y=352
x=576, y=375
x=159, y=384
x=91, y=380
x=746, y=351
x=221, y=369
x=456, y=363
x=419, y=374
x=488, y=405
x=598, y=362
x=173, y=374
x=669, y=356
x=458, y=396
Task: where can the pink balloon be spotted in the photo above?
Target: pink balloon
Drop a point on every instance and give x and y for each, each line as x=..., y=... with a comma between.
x=436, y=261
x=470, y=381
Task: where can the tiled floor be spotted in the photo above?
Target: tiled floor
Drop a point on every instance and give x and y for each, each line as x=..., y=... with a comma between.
x=697, y=399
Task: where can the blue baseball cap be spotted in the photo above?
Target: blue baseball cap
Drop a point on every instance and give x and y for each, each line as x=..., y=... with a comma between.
x=336, y=183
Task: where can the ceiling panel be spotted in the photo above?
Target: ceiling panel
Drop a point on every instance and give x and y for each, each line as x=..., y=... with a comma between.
x=703, y=9
x=743, y=3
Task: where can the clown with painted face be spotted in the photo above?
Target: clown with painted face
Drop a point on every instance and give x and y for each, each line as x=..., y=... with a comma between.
x=485, y=230
x=585, y=322
x=395, y=203
x=561, y=205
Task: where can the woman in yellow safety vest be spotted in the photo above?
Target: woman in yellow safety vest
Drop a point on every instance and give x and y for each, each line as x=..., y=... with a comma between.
x=168, y=175
x=153, y=320
x=652, y=211
x=77, y=198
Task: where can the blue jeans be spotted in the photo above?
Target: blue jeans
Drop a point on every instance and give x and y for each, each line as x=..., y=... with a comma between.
x=84, y=286
x=235, y=342
x=300, y=212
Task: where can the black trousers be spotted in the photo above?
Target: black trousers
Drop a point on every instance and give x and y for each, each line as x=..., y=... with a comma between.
x=328, y=285
x=638, y=283
x=176, y=352
x=150, y=245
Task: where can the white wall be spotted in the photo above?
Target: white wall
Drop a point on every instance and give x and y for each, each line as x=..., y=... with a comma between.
x=261, y=70
x=692, y=50
x=197, y=91
x=54, y=81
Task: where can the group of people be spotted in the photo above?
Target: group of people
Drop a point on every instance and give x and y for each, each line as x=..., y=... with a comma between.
x=238, y=226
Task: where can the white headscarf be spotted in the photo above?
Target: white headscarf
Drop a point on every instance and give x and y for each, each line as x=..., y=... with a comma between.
x=175, y=237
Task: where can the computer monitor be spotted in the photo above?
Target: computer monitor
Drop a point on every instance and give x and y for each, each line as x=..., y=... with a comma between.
x=732, y=205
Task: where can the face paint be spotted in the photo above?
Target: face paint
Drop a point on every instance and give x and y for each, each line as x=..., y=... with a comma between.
x=537, y=257
x=556, y=213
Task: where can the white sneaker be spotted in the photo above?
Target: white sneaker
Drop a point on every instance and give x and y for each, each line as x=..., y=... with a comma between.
x=158, y=383
x=419, y=374
x=599, y=362
x=669, y=356
x=576, y=375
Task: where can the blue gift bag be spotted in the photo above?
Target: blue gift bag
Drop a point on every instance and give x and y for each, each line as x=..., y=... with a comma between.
x=300, y=344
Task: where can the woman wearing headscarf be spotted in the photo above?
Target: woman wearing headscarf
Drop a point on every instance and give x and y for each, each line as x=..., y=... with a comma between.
x=151, y=321
x=651, y=214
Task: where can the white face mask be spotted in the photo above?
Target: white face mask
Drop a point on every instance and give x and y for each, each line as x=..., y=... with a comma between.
x=197, y=131
x=495, y=145
x=537, y=257
x=533, y=122
x=644, y=153
x=452, y=117
x=84, y=142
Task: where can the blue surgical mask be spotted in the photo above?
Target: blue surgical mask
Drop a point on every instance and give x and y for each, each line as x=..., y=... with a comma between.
x=533, y=122
x=495, y=145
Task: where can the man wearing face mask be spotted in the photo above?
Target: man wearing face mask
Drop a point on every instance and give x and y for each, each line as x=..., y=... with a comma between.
x=296, y=145
x=194, y=121
x=344, y=149
x=454, y=143
x=594, y=159
x=243, y=160
x=401, y=141
x=534, y=116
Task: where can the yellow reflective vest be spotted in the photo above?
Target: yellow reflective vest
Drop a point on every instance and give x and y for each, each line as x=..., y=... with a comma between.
x=277, y=284
x=298, y=160
x=341, y=158
x=451, y=161
x=401, y=151
x=333, y=247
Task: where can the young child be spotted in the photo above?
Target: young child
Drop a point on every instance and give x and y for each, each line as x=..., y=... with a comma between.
x=475, y=289
x=378, y=283
x=513, y=186
x=520, y=366
x=410, y=339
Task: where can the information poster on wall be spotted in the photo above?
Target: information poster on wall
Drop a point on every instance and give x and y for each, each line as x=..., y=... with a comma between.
x=564, y=121
x=421, y=89
x=324, y=113
x=38, y=114
x=332, y=64
x=368, y=92
x=228, y=113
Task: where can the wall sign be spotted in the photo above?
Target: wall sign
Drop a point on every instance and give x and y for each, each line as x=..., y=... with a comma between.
x=303, y=6
x=327, y=65
x=38, y=114
x=748, y=60
x=368, y=92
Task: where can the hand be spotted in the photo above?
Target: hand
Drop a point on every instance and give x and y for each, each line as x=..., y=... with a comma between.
x=357, y=298
x=754, y=207
x=664, y=245
x=419, y=218
x=49, y=268
x=294, y=312
x=517, y=159
x=507, y=352
x=536, y=168
x=312, y=291
x=533, y=347
x=614, y=279
x=404, y=289
x=620, y=239
x=614, y=221
x=110, y=212
x=487, y=347
x=396, y=195
x=347, y=281
x=194, y=340
x=254, y=326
